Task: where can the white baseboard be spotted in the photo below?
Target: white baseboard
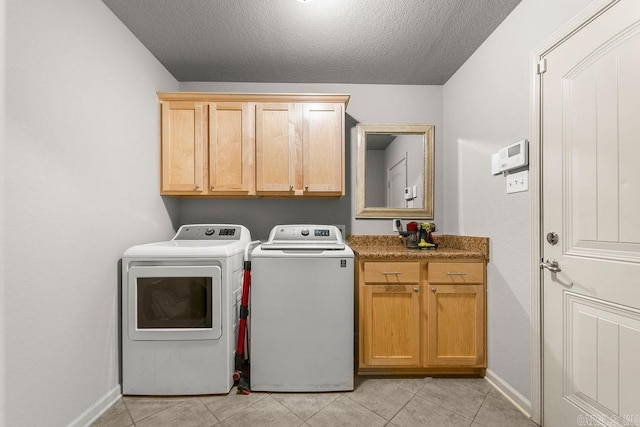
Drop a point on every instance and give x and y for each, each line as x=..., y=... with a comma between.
x=94, y=412
x=519, y=401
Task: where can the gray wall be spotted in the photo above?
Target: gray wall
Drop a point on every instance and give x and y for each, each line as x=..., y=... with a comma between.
x=368, y=104
x=487, y=106
x=376, y=183
x=82, y=177
x=3, y=390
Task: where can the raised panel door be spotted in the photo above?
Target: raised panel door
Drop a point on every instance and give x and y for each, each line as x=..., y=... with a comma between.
x=183, y=148
x=231, y=148
x=390, y=316
x=455, y=325
x=323, y=149
x=277, y=152
x=589, y=109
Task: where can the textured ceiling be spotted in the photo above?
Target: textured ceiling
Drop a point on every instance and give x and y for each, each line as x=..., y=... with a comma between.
x=323, y=41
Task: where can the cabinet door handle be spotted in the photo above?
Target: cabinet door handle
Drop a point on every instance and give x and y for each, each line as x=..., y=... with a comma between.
x=416, y=289
x=196, y=187
x=212, y=187
x=433, y=290
x=306, y=188
x=456, y=273
x=291, y=188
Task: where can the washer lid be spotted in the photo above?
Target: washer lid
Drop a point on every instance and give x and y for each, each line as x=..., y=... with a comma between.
x=304, y=237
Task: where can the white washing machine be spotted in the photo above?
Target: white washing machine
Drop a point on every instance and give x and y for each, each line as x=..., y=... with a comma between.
x=180, y=304
x=302, y=306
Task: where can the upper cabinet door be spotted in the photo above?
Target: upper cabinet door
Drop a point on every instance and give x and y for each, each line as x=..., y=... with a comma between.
x=323, y=149
x=183, y=148
x=277, y=149
x=231, y=148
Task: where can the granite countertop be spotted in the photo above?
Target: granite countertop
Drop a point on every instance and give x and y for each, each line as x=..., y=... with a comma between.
x=393, y=247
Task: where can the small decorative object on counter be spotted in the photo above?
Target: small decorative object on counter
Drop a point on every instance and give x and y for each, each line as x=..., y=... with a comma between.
x=418, y=236
x=426, y=238
x=412, y=238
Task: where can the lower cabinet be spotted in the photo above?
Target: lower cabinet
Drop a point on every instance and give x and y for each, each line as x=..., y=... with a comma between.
x=392, y=325
x=455, y=330
x=421, y=317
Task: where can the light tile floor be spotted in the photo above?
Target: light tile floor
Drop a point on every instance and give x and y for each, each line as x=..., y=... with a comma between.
x=374, y=402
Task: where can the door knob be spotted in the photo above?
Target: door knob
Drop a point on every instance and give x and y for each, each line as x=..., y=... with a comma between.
x=551, y=265
x=552, y=238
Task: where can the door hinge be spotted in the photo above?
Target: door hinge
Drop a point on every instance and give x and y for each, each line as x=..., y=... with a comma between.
x=542, y=66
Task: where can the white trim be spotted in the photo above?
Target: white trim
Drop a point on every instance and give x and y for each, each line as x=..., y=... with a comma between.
x=92, y=413
x=510, y=393
x=535, y=158
x=536, y=220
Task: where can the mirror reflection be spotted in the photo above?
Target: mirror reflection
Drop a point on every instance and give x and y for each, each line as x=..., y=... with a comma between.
x=394, y=171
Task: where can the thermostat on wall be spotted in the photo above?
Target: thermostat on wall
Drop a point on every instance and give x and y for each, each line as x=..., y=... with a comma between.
x=510, y=157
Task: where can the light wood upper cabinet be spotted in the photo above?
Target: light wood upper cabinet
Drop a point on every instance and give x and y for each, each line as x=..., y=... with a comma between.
x=323, y=149
x=231, y=148
x=184, y=147
x=207, y=148
x=300, y=149
x=277, y=150
x=253, y=144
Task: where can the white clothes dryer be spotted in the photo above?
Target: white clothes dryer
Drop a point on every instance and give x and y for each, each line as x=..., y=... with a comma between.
x=180, y=306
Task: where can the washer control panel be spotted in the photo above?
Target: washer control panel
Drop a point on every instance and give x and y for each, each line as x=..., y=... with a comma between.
x=208, y=232
x=306, y=233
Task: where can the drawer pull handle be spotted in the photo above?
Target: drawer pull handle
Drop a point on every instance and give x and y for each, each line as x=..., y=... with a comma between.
x=387, y=273
x=456, y=273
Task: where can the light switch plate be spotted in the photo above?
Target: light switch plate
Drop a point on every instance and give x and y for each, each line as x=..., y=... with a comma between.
x=518, y=182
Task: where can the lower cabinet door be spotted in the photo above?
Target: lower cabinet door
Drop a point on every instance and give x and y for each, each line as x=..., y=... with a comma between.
x=455, y=325
x=391, y=325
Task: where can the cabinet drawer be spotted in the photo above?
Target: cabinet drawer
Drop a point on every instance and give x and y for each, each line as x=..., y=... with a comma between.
x=455, y=272
x=391, y=272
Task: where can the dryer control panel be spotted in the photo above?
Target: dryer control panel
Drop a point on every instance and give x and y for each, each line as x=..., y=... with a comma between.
x=208, y=232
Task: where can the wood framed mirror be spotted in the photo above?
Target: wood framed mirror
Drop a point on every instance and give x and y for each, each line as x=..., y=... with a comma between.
x=394, y=171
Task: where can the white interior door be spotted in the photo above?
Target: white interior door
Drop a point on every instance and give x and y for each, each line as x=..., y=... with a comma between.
x=591, y=199
x=396, y=183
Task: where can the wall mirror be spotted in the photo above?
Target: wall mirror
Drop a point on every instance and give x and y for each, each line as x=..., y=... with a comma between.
x=394, y=176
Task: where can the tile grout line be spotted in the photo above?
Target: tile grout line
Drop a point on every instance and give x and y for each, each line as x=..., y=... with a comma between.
x=480, y=407
x=133, y=423
x=210, y=411
x=396, y=413
x=456, y=412
x=314, y=414
x=406, y=403
x=285, y=407
x=366, y=409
